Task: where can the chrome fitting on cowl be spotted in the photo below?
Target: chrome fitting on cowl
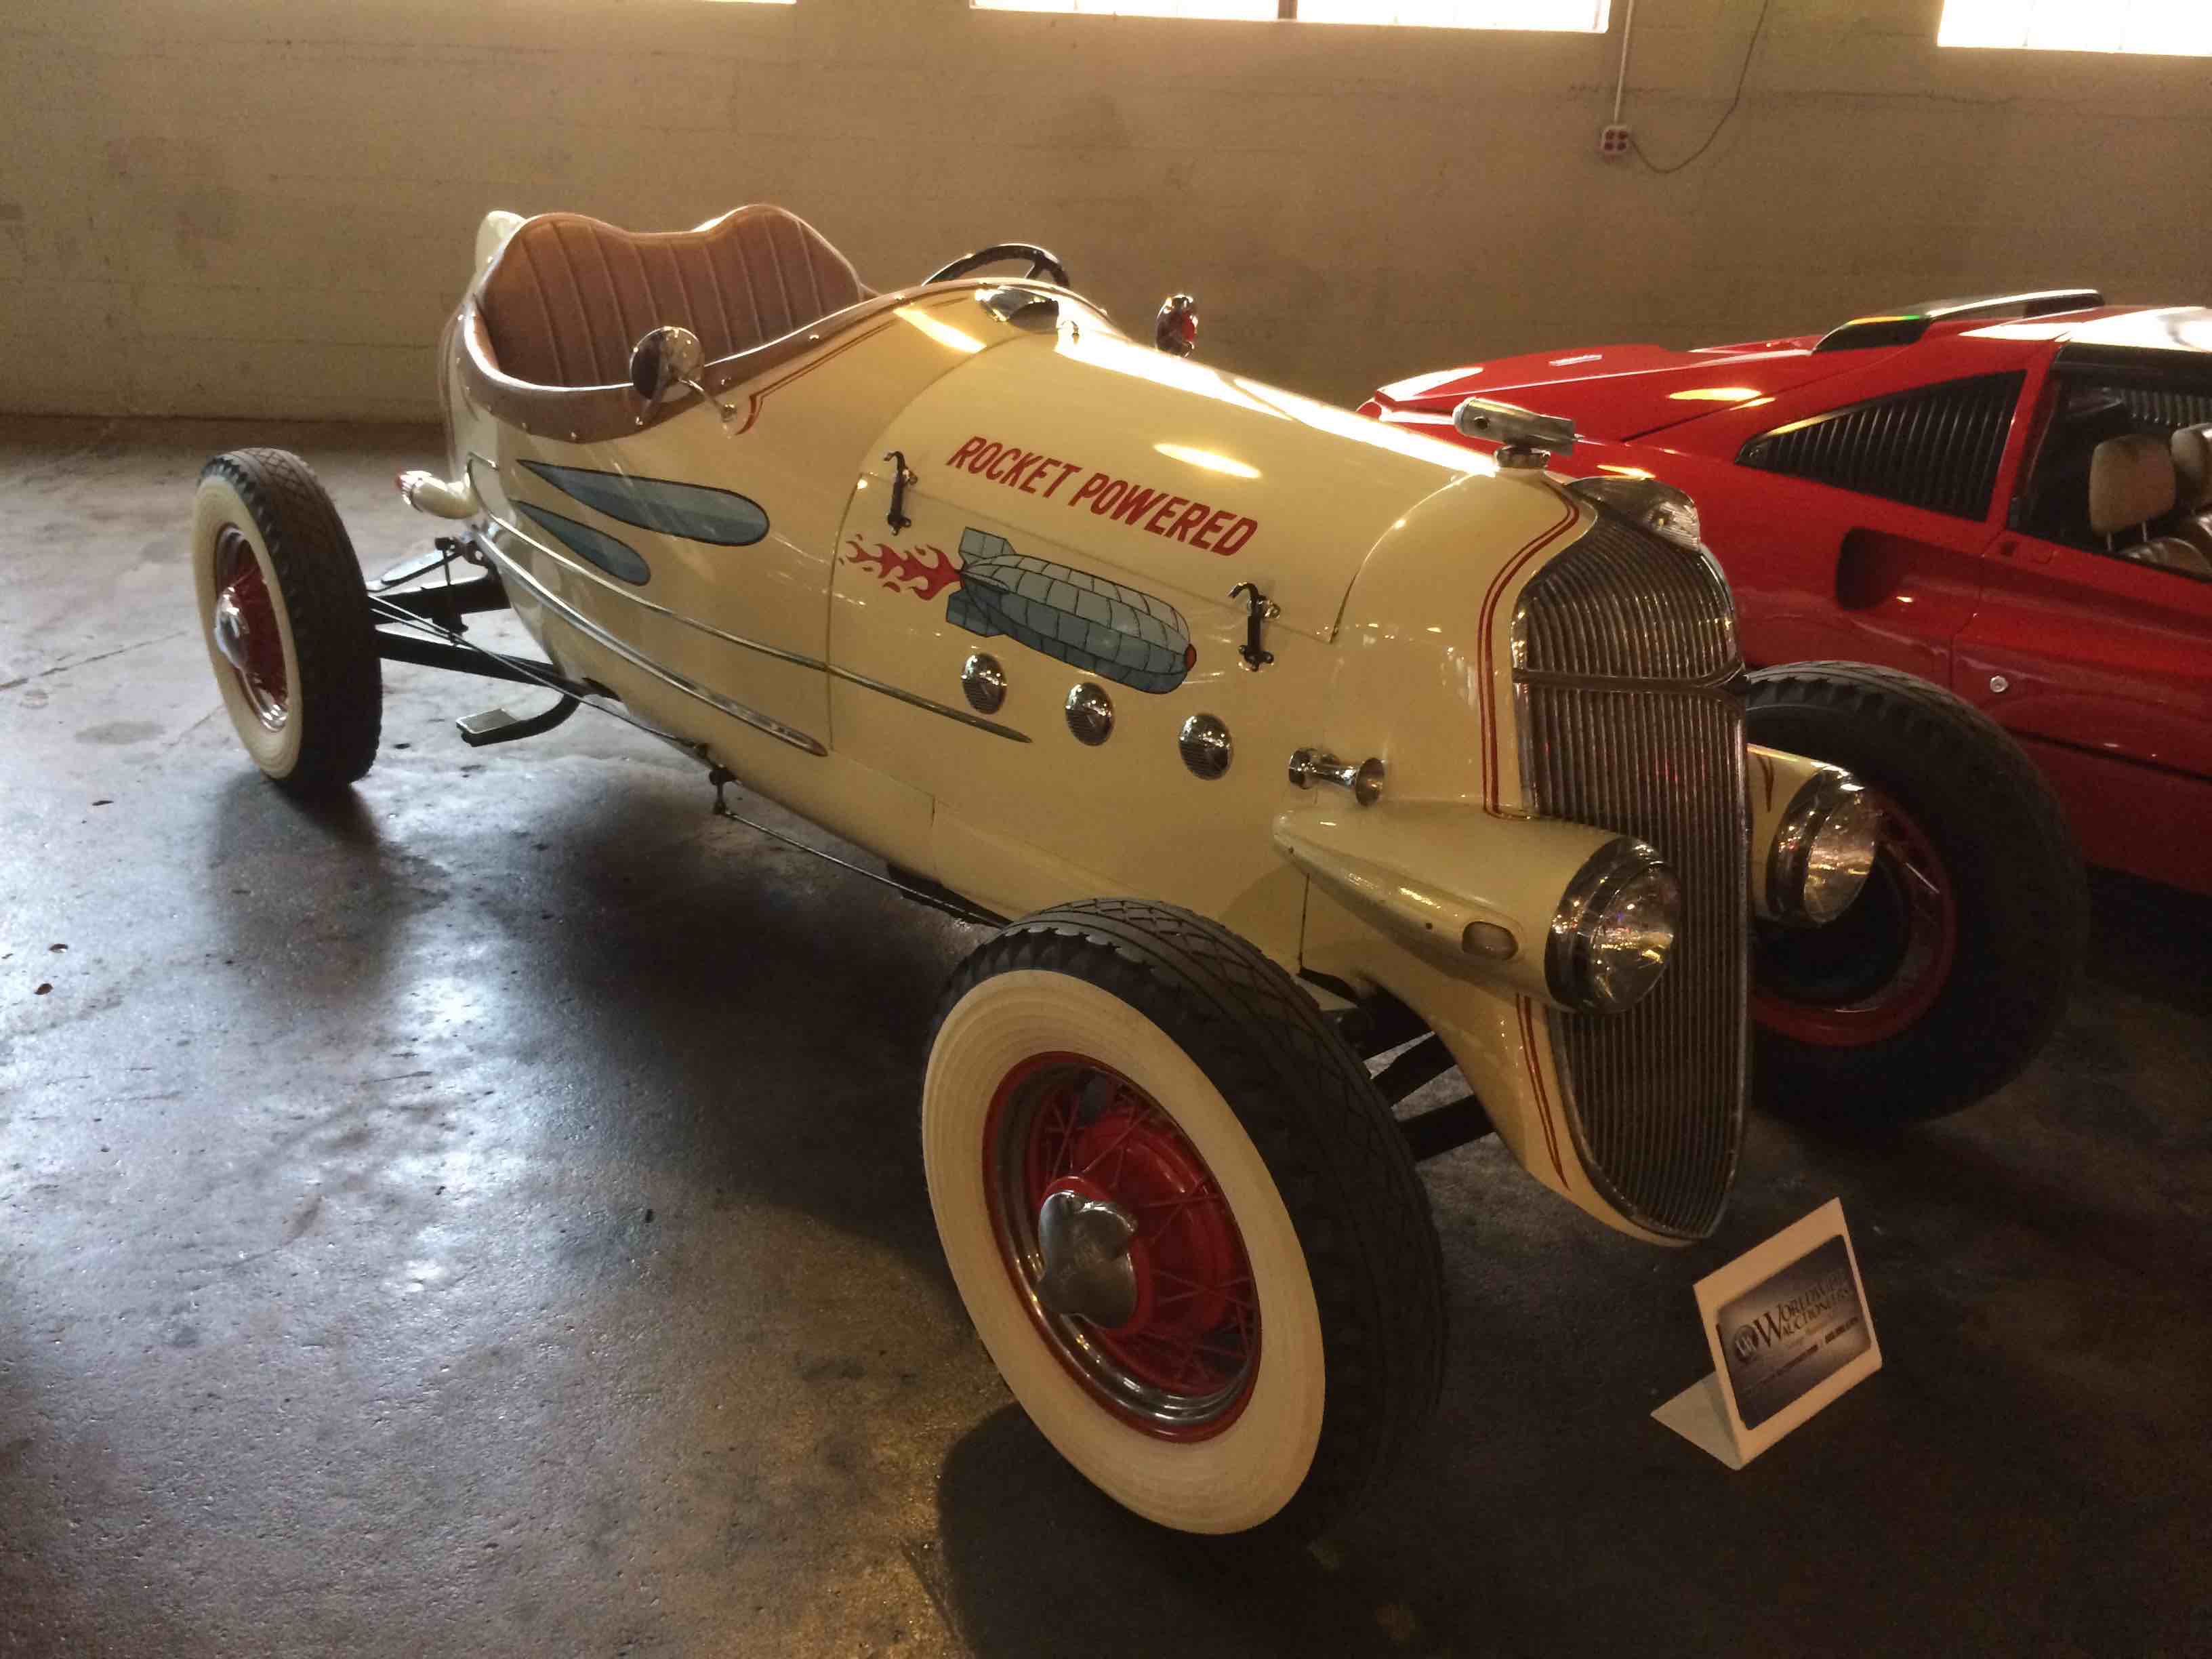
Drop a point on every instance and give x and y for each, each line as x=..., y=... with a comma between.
x=1311, y=767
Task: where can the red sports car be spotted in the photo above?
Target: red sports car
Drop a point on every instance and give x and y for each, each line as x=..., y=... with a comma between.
x=2010, y=496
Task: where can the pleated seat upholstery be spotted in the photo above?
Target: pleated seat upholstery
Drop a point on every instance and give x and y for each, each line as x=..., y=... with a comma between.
x=567, y=297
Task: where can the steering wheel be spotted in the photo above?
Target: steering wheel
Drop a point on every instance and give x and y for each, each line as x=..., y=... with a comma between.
x=1042, y=262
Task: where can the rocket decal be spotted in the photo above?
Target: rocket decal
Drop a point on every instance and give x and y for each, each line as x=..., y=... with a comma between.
x=1098, y=626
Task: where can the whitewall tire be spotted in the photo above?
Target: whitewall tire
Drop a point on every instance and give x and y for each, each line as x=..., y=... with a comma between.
x=1271, y=1331
x=286, y=620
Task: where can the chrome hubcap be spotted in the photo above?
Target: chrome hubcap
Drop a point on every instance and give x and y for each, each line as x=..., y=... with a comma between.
x=1087, y=1271
x=243, y=629
x=230, y=630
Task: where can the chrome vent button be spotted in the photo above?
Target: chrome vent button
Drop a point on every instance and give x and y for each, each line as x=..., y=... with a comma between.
x=1090, y=715
x=1205, y=746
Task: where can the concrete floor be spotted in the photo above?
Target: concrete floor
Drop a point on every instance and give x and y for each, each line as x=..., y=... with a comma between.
x=487, y=1218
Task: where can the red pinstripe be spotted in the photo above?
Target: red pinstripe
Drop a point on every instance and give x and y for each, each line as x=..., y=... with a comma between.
x=754, y=400
x=1486, y=694
x=1535, y=1064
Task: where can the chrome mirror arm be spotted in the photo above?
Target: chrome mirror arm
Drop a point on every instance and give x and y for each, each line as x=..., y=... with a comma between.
x=664, y=358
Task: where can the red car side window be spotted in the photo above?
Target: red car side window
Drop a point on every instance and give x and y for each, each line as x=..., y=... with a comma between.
x=2087, y=411
x=1937, y=448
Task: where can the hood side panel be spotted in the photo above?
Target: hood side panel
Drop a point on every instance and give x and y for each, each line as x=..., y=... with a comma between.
x=1180, y=479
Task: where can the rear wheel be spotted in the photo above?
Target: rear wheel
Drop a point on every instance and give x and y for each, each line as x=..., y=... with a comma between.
x=1184, y=1223
x=1950, y=969
x=285, y=618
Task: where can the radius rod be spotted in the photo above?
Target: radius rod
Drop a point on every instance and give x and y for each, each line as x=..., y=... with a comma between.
x=1440, y=1128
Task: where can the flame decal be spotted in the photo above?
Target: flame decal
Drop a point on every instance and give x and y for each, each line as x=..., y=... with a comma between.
x=929, y=576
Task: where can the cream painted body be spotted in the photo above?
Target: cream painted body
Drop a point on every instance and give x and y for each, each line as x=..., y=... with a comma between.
x=1395, y=562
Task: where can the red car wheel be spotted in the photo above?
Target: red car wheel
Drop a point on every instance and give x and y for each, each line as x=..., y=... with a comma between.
x=1950, y=969
x=1876, y=970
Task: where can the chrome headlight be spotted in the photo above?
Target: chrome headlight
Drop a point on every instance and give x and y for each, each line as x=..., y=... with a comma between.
x=1824, y=851
x=1661, y=509
x=1614, y=929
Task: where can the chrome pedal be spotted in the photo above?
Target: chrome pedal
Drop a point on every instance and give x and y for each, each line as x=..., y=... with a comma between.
x=505, y=726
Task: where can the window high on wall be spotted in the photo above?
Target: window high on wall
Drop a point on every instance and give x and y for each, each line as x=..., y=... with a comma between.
x=2176, y=27
x=1584, y=16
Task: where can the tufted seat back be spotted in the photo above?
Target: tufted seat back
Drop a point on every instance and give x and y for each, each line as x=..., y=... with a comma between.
x=2131, y=481
x=2192, y=468
x=567, y=297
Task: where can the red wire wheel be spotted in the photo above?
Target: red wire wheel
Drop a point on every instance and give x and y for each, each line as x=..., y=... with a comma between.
x=246, y=628
x=1177, y=1354
x=1874, y=972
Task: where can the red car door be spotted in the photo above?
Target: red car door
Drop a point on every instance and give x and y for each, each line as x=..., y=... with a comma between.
x=1820, y=572
x=2102, y=669
x=1853, y=516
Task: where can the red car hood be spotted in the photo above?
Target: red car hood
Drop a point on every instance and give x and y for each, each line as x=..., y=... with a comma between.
x=1619, y=391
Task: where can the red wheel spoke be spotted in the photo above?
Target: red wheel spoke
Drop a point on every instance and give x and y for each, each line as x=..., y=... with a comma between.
x=1191, y=1287
x=1128, y=1127
x=1178, y=1201
x=1181, y=1365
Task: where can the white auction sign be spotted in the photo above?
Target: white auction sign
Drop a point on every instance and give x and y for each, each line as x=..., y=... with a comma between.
x=1790, y=1331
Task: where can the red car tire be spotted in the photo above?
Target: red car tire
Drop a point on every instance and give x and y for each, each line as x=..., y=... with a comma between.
x=1953, y=966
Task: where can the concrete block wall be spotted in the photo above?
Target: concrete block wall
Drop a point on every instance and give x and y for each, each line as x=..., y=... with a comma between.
x=266, y=207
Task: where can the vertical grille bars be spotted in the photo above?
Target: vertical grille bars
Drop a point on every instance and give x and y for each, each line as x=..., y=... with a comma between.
x=1625, y=646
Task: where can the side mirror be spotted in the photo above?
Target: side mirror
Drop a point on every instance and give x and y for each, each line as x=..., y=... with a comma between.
x=1175, y=329
x=666, y=358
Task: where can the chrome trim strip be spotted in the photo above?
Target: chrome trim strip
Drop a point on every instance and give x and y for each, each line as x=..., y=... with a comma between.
x=608, y=583
x=584, y=625
x=778, y=652
x=919, y=702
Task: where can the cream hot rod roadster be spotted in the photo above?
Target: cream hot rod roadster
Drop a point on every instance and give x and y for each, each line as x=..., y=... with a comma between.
x=1289, y=738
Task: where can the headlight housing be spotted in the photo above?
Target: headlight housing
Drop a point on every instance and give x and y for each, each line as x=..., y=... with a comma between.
x=1614, y=930
x=1665, y=511
x=1824, y=851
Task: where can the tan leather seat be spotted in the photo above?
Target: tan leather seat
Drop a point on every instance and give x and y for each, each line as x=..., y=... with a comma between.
x=2132, y=481
x=2192, y=470
x=567, y=297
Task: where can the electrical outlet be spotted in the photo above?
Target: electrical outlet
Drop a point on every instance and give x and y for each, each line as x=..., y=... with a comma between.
x=1613, y=141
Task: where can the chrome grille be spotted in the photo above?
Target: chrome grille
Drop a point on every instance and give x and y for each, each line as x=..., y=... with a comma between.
x=1625, y=647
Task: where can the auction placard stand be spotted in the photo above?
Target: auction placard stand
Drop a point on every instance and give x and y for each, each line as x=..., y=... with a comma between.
x=1787, y=1325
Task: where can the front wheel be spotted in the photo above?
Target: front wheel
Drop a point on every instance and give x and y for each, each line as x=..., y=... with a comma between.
x=1950, y=970
x=1182, y=1220
x=286, y=617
